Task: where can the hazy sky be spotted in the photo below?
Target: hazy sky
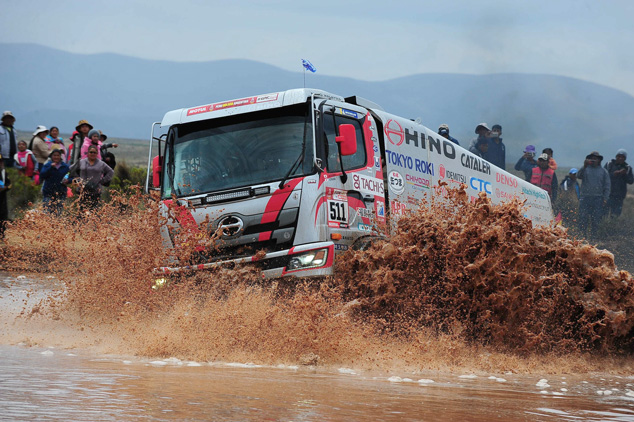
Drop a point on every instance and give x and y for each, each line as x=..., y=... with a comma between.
x=370, y=40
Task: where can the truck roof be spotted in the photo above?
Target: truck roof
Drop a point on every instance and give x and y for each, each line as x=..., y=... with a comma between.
x=244, y=105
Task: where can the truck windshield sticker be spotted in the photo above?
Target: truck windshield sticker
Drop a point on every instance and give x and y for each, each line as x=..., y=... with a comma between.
x=346, y=112
x=233, y=103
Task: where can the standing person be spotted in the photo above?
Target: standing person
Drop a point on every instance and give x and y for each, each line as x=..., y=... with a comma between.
x=53, y=190
x=443, y=130
x=55, y=141
x=497, y=149
x=527, y=162
x=77, y=140
x=8, y=147
x=91, y=173
x=93, y=138
x=5, y=185
x=482, y=130
x=106, y=155
x=545, y=177
x=620, y=176
x=25, y=161
x=594, y=192
x=551, y=161
x=481, y=148
x=569, y=197
x=39, y=146
x=570, y=183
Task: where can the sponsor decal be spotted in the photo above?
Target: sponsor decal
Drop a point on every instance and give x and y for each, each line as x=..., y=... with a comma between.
x=503, y=194
x=375, y=148
x=377, y=162
x=475, y=163
x=379, y=209
x=451, y=175
x=343, y=226
x=534, y=192
x=336, y=194
x=339, y=247
x=407, y=162
x=505, y=179
x=346, y=112
x=234, y=103
x=539, y=206
x=418, y=182
x=480, y=185
x=364, y=213
x=367, y=184
x=364, y=227
x=397, y=208
x=394, y=132
x=396, y=182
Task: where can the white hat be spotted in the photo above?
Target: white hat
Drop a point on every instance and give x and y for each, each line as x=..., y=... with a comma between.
x=482, y=125
x=544, y=157
x=40, y=129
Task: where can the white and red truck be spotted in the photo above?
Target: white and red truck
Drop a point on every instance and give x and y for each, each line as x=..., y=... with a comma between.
x=291, y=179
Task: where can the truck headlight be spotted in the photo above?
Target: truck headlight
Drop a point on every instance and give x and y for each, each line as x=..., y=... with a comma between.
x=310, y=259
x=159, y=283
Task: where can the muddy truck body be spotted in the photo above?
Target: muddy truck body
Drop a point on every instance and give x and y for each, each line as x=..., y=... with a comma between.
x=289, y=180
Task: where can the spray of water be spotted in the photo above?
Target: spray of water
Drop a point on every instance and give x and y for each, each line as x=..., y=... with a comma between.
x=460, y=284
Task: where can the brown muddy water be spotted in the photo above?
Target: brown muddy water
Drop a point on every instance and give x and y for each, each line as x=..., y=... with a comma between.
x=467, y=313
x=51, y=369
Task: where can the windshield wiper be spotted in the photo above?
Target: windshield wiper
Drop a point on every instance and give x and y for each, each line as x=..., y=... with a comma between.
x=296, y=164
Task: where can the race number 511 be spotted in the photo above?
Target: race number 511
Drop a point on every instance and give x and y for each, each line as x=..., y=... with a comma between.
x=338, y=211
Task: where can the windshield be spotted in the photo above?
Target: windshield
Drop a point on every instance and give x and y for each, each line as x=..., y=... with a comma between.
x=231, y=152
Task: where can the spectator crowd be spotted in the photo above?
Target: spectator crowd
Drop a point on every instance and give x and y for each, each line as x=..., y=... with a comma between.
x=588, y=194
x=81, y=167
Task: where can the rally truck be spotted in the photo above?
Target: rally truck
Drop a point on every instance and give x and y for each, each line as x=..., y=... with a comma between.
x=289, y=180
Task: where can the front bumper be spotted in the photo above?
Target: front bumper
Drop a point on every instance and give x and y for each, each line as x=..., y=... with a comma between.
x=275, y=263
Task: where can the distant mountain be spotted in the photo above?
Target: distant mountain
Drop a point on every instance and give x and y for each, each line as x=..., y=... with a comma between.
x=124, y=95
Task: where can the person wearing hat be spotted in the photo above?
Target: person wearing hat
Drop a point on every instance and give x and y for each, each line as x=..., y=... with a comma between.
x=481, y=148
x=482, y=130
x=106, y=155
x=443, y=130
x=39, y=146
x=570, y=182
x=593, y=193
x=52, y=175
x=620, y=176
x=77, y=140
x=545, y=177
x=5, y=185
x=527, y=162
x=8, y=147
x=497, y=149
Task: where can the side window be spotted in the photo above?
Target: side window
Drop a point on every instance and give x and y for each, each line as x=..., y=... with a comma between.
x=359, y=159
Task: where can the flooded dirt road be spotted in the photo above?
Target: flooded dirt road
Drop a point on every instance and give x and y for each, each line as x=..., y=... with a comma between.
x=73, y=385
x=49, y=371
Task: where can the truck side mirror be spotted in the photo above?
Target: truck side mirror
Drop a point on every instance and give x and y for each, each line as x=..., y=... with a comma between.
x=347, y=139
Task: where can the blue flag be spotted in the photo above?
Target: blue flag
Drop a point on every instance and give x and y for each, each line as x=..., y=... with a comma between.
x=308, y=66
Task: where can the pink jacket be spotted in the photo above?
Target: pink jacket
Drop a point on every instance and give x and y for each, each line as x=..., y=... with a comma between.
x=87, y=143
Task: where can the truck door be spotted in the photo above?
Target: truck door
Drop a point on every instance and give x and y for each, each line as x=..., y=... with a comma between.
x=354, y=196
